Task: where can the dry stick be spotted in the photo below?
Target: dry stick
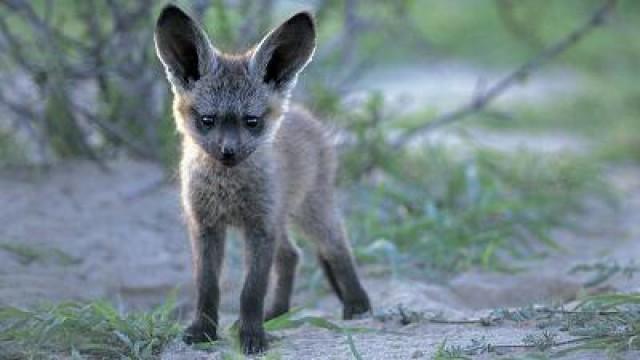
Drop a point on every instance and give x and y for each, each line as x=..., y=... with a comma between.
x=29, y=125
x=530, y=346
x=112, y=130
x=480, y=101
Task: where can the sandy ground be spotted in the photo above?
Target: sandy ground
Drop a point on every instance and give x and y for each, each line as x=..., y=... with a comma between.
x=128, y=244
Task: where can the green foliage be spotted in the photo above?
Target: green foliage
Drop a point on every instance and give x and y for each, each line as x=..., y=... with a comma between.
x=169, y=142
x=451, y=211
x=446, y=209
x=480, y=31
x=94, y=329
x=63, y=132
x=369, y=146
x=445, y=352
x=291, y=320
x=324, y=101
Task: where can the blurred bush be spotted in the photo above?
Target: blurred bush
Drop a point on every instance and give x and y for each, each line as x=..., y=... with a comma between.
x=85, y=82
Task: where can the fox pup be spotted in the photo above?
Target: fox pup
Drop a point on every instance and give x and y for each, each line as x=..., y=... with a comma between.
x=251, y=162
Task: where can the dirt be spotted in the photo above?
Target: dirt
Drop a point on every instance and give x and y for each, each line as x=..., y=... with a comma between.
x=125, y=237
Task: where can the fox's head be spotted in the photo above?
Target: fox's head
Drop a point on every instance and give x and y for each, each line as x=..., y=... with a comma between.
x=231, y=104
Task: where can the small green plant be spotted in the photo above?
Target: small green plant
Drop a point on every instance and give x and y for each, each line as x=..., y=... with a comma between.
x=93, y=329
x=291, y=320
x=447, y=352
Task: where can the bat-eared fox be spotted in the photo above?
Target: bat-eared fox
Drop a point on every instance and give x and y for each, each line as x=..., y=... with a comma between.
x=253, y=162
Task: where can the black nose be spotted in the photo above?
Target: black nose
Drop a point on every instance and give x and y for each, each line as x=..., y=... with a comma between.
x=228, y=153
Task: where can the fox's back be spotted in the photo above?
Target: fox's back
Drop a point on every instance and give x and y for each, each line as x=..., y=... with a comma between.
x=305, y=156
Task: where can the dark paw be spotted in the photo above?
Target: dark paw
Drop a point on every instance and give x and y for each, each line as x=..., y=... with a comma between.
x=199, y=332
x=356, y=309
x=253, y=341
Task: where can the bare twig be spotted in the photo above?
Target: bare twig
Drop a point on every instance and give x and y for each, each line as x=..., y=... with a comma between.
x=25, y=118
x=555, y=344
x=113, y=131
x=480, y=101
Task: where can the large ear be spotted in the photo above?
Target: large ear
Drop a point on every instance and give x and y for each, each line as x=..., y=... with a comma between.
x=183, y=47
x=285, y=51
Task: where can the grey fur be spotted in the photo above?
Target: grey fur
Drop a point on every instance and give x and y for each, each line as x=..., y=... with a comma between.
x=279, y=173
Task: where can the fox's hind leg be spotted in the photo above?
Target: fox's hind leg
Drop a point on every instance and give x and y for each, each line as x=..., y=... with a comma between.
x=284, y=268
x=319, y=220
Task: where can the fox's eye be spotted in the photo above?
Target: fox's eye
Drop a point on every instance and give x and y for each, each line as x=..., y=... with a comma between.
x=251, y=121
x=208, y=120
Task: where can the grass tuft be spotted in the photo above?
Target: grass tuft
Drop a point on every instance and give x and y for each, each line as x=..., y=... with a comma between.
x=94, y=329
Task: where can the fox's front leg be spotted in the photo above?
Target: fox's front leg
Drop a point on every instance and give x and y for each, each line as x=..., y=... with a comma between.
x=207, y=243
x=259, y=248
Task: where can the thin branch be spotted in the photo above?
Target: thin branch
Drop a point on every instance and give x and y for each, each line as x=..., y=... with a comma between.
x=25, y=119
x=555, y=344
x=114, y=132
x=480, y=101
x=14, y=47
